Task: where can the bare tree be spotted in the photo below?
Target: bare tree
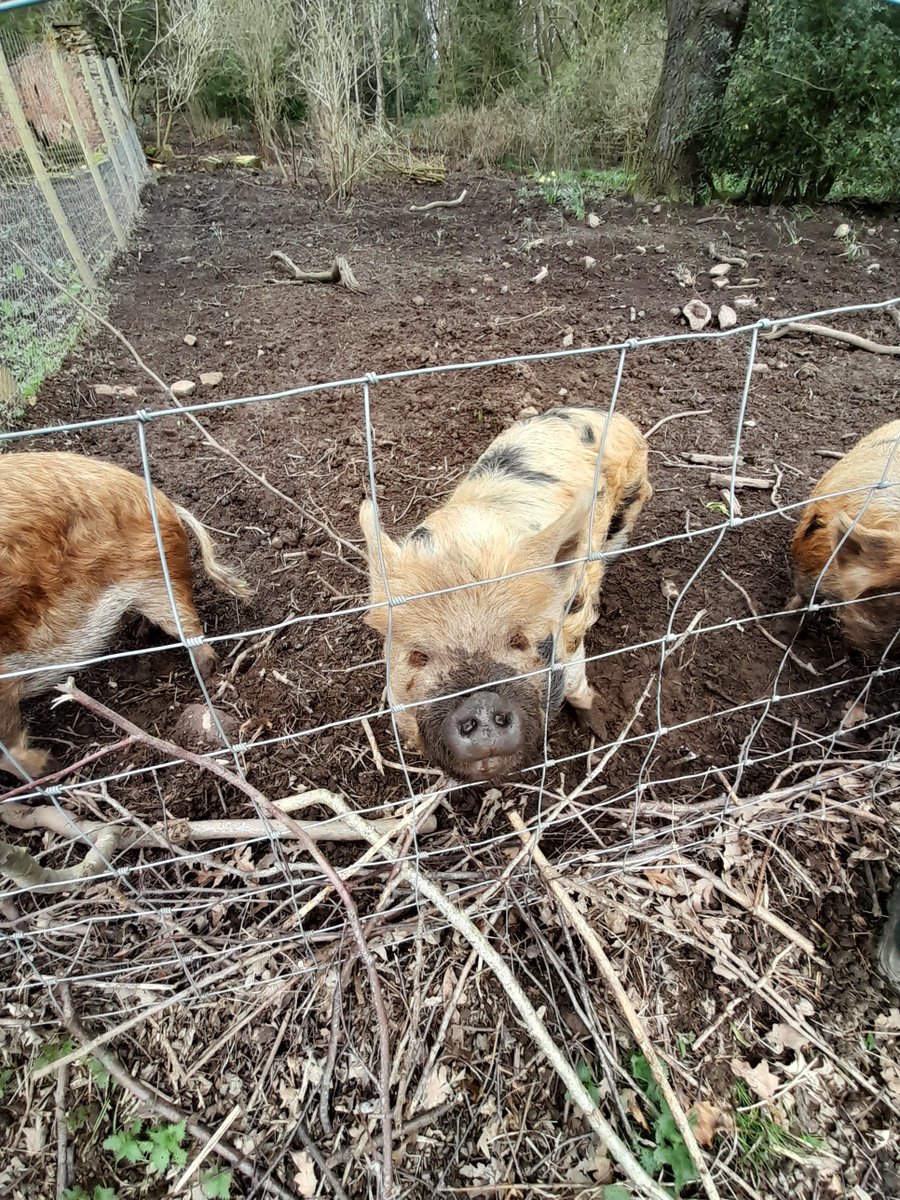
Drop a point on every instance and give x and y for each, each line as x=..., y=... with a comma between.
x=185, y=54
x=327, y=70
x=260, y=36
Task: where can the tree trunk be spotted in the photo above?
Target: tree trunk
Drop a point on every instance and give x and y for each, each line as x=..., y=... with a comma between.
x=703, y=37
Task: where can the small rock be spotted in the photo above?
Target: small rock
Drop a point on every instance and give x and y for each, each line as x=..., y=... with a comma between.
x=418, y=301
x=589, y=263
x=675, y=310
x=719, y=270
x=183, y=387
x=873, y=267
x=726, y=317
x=190, y=340
x=745, y=302
x=563, y=392
x=210, y=162
x=593, y=220
x=528, y=411
x=247, y=162
x=843, y=231
x=661, y=248
x=504, y=290
x=211, y=378
x=656, y=209
x=568, y=339
x=698, y=315
x=762, y=369
x=781, y=365
x=570, y=243
x=195, y=726
x=721, y=282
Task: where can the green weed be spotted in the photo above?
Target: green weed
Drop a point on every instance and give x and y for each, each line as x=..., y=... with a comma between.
x=159, y=1146
x=575, y=191
x=99, y=1193
x=761, y=1140
x=669, y=1152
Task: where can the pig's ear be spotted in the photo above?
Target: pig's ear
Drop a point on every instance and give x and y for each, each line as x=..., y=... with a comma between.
x=860, y=545
x=374, y=534
x=566, y=538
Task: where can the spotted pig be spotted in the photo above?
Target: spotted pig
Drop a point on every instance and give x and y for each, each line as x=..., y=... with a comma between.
x=476, y=662
x=847, y=542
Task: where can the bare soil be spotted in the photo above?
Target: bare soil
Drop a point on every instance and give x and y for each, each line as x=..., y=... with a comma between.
x=454, y=286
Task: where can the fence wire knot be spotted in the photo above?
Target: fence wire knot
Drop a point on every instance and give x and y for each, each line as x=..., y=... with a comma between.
x=143, y=415
x=371, y=378
x=195, y=641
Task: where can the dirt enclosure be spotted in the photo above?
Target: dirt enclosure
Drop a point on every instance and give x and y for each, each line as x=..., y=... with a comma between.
x=696, y=801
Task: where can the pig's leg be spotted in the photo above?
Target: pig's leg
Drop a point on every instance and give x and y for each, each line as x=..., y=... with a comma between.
x=153, y=603
x=582, y=696
x=22, y=761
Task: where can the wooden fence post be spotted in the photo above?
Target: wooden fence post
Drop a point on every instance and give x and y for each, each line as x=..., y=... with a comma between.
x=103, y=124
x=136, y=169
x=123, y=102
x=11, y=99
x=81, y=135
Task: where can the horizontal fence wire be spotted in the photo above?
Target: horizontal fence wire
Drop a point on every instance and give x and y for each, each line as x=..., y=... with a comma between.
x=59, y=947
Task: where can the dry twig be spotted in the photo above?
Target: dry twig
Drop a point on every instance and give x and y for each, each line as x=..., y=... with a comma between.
x=420, y=882
x=276, y=815
x=695, y=412
x=165, y=1108
x=556, y=885
x=795, y=658
x=757, y=482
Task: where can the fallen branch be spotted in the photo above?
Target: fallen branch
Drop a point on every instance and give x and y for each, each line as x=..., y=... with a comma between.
x=339, y=272
x=179, y=831
x=713, y=460
x=170, y=750
x=27, y=873
x=694, y=412
x=720, y=479
x=440, y=203
x=805, y=666
x=852, y=339
x=420, y=882
x=555, y=885
x=162, y=1107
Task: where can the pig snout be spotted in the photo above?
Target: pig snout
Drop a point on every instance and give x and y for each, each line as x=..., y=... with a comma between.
x=484, y=731
x=492, y=730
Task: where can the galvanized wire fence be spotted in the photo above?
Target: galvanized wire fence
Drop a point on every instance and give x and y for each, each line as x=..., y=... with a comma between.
x=240, y=755
x=71, y=175
x=69, y=931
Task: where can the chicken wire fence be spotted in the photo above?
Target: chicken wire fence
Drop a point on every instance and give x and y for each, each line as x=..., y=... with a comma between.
x=112, y=839
x=71, y=175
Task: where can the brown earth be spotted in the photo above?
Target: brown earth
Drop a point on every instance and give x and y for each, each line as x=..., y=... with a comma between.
x=452, y=286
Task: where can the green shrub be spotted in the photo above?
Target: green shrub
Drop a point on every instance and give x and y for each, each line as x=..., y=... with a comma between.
x=813, y=103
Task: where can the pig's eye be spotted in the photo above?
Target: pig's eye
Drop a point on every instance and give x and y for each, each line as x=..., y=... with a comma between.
x=418, y=658
x=518, y=641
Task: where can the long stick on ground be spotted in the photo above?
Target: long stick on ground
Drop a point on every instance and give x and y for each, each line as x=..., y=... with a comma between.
x=440, y=203
x=165, y=1108
x=419, y=881
x=276, y=815
x=838, y=335
x=586, y=933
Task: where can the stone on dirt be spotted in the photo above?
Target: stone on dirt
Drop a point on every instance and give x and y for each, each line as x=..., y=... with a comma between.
x=211, y=378
x=196, y=729
x=183, y=388
x=117, y=390
x=726, y=317
x=190, y=339
x=698, y=315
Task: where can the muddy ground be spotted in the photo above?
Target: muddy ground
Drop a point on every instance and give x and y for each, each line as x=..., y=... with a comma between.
x=449, y=286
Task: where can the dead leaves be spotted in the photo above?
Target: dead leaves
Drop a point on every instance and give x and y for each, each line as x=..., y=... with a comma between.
x=707, y=1121
x=760, y=1079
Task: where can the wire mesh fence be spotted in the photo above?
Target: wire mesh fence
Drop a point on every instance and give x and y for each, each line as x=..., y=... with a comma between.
x=136, y=916
x=71, y=175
